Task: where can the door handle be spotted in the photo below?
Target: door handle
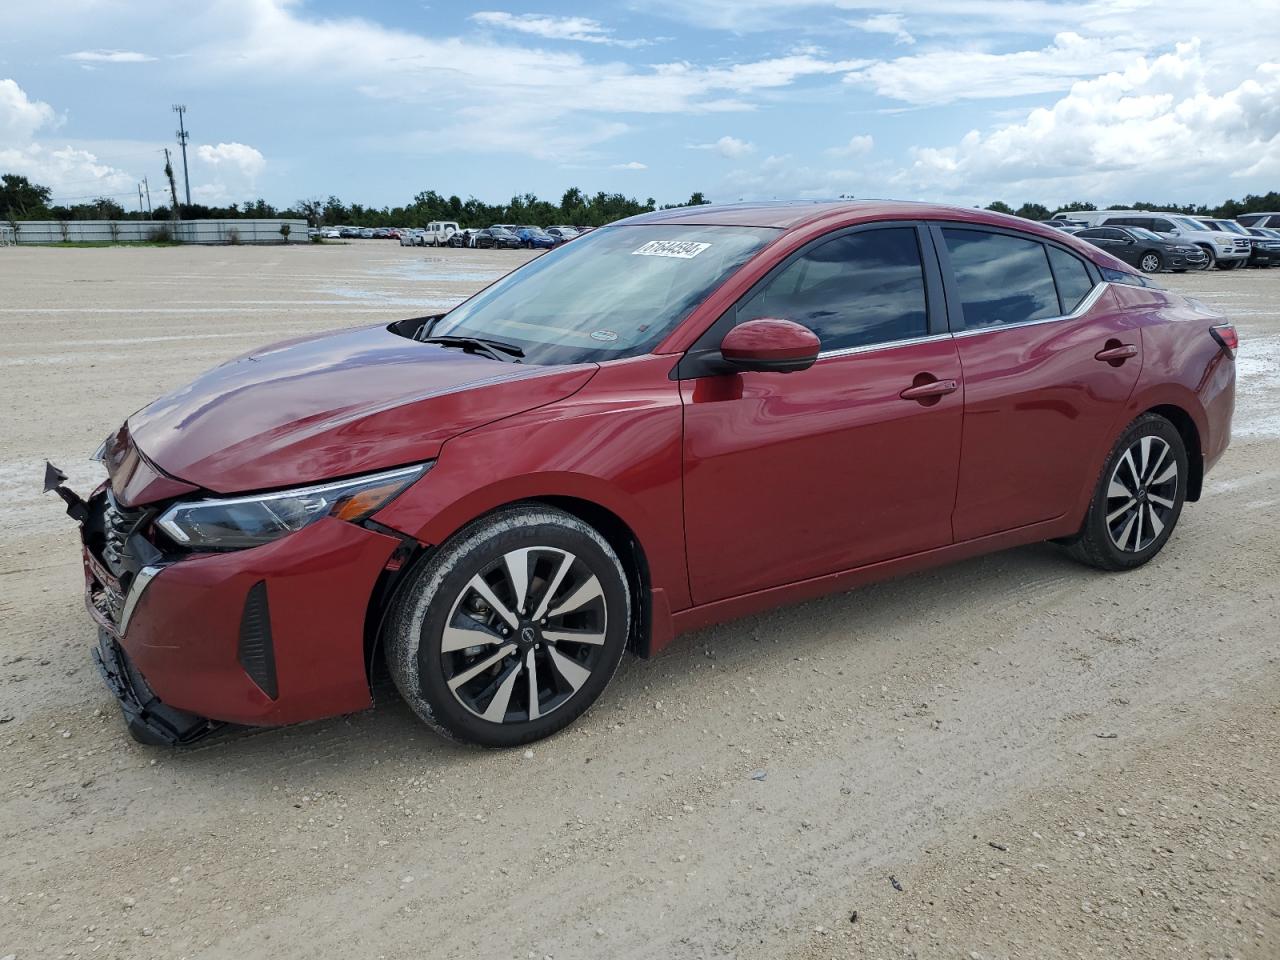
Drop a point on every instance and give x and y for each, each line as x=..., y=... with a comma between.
x=1117, y=354
x=930, y=392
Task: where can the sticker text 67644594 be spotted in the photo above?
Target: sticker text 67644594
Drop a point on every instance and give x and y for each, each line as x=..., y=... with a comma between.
x=680, y=249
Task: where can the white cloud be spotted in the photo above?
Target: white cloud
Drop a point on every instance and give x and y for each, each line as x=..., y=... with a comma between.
x=108, y=56
x=858, y=145
x=943, y=76
x=727, y=146
x=632, y=165
x=783, y=176
x=1155, y=128
x=20, y=116
x=246, y=160
x=581, y=29
x=891, y=23
x=226, y=172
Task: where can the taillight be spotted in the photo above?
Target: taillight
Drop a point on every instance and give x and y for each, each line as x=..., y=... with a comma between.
x=1225, y=334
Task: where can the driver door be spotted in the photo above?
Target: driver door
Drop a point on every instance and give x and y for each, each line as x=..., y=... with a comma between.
x=792, y=476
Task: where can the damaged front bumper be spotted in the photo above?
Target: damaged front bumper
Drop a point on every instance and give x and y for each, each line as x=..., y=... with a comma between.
x=149, y=720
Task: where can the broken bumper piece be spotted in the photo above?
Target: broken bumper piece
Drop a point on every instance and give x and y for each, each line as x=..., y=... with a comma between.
x=149, y=720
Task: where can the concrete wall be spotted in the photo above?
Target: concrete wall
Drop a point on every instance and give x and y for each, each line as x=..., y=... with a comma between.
x=188, y=231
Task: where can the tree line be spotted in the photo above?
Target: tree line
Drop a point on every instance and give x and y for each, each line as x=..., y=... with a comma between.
x=22, y=200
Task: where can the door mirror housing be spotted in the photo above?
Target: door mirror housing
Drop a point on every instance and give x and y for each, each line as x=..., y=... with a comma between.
x=770, y=346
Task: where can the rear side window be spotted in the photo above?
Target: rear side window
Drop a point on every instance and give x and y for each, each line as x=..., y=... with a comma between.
x=860, y=289
x=1072, y=276
x=1161, y=226
x=1001, y=279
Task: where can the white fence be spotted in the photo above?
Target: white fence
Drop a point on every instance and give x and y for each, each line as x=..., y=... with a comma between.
x=6, y=235
x=134, y=231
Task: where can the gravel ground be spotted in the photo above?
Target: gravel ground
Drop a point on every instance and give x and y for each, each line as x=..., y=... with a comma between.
x=1048, y=761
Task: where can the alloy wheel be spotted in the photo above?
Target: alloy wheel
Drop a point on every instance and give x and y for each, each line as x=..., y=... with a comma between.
x=1150, y=263
x=1141, y=494
x=524, y=635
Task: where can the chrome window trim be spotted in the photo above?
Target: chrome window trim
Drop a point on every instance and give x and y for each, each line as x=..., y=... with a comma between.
x=140, y=583
x=1084, y=306
x=887, y=345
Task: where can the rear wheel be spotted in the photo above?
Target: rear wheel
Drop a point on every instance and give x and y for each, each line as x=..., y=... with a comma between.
x=512, y=629
x=1138, y=499
x=1150, y=262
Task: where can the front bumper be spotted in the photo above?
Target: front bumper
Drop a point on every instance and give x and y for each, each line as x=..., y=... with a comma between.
x=269, y=635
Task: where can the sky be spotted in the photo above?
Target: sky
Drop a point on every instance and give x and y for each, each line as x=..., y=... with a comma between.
x=959, y=101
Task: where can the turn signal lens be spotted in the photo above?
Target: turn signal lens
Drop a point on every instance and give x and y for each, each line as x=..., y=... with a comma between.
x=1225, y=334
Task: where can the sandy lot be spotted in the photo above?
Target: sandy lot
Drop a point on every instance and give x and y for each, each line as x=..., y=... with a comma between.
x=1047, y=761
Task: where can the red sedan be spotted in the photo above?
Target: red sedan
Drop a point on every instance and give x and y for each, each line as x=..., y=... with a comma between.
x=685, y=417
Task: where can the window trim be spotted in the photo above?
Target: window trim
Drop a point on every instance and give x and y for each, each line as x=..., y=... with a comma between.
x=955, y=308
x=702, y=358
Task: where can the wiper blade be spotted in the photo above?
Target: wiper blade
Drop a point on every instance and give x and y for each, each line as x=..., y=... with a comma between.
x=494, y=348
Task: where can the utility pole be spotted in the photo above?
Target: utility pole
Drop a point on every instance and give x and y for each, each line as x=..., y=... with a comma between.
x=141, y=208
x=180, y=110
x=147, y=187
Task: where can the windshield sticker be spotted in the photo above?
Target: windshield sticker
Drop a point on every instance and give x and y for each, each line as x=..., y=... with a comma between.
x=680, y=249
x=604, y=336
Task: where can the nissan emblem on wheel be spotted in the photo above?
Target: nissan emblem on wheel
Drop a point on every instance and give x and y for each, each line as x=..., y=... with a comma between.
x=688, y=416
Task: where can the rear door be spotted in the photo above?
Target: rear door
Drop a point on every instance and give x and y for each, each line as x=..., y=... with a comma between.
x=1048, y=361
x=791, y=476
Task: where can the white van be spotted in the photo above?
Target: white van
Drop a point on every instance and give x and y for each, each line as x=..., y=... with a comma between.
x=1225, y=251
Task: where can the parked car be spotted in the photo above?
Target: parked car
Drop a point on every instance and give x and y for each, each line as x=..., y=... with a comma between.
x=1259, y=219
x=462, y=238
x=1223, y=251
x=665, y=425
x=1266, y=247
x=1069, y=226
x=366, y=233
x=411, y=238
x=496, y=238
x=1147, y=251
x=349, y=233
x=562, y=234
x=535, y=238
x=331, y=233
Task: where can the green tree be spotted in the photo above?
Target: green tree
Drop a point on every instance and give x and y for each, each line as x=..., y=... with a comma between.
x=999, y=206
x=20, y=199
x=1032, y=211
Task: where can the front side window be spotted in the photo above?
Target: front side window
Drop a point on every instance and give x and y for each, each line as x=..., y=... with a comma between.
x=614, y=293
x=860, y=289
x=1162, y=226
x=1001, y=279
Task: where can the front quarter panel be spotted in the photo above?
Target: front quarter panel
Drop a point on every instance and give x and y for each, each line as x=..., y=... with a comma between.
x=615, y=444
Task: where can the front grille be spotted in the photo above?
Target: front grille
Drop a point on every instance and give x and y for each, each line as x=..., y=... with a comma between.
x=118, y=524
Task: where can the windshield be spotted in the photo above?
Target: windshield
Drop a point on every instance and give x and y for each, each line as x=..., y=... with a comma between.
x=1233, y=227
x=1187, y=224
x=613, y=293
x=1144, y=233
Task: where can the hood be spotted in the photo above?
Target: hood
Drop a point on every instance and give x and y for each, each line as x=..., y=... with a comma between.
x=332, y=406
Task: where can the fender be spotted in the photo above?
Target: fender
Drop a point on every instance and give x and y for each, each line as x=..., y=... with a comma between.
x=626, y=432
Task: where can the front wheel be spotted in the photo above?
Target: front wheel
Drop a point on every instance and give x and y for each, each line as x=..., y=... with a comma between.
x=1138, y=499
x=512, y=629
x=1150, y=262
x=1212, y=260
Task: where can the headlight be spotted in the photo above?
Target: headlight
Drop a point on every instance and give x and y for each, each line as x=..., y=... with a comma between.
x=240, y=522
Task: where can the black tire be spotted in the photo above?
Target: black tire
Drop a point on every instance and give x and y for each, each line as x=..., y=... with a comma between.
x=1228, y=264
x=1212, y=261
x=465, y=587
x=1120, y=531
x=1150, y=262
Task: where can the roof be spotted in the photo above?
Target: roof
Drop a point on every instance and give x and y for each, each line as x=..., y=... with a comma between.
x=784, y=213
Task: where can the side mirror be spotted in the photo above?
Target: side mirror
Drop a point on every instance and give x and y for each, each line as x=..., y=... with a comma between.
x=770, y=346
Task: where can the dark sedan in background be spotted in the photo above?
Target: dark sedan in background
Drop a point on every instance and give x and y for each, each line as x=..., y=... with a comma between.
x=1147, y=251
x=497, y=237
x=1265, y=251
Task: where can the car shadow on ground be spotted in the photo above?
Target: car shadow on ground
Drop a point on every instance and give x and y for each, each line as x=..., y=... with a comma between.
x=389, y=733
